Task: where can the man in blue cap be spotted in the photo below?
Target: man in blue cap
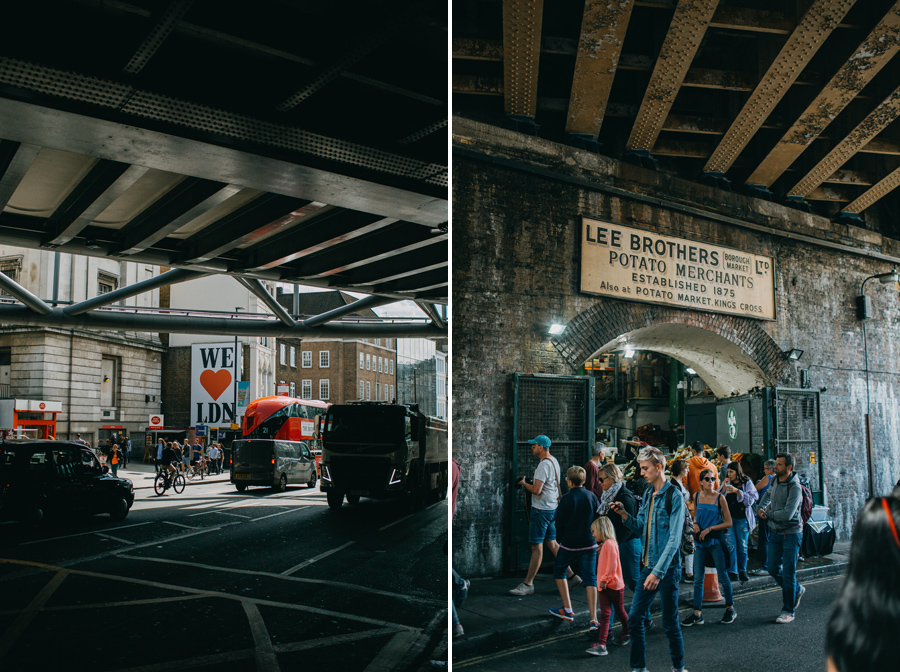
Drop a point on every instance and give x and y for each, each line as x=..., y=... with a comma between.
x=545, y=494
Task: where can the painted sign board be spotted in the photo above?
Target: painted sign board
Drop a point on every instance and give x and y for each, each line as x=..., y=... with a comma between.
x=636, y=265
x=212, y=382
x=156, y=421
x=733, y=425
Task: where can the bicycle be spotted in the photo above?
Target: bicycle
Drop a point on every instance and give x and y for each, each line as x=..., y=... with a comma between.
x=199, y=468
x=165, y=480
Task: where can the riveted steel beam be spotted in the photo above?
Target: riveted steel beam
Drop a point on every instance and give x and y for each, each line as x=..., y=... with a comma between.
x=522, y=21
x=880, y=190
x=159, y=219
x=603, y=28
x=818, y=22
x=371, y=301
x=120, y=319
x=425, y=132
x=158, y=34
x=15, y=160
x=879, y=119
x=688, y=26
x=168, y=278
x=867, y=61
x=320, y=233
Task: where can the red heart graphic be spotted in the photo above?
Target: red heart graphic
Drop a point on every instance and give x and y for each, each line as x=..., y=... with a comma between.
x=215, y=382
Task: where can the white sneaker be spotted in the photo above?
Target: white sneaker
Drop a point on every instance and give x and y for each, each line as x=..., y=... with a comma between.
x=784, y=618
x=458, y=631
x=574, y=581
x=799, y=595
x=522, y=589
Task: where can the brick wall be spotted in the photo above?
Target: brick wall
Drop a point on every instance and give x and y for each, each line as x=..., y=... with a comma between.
x=515, y=270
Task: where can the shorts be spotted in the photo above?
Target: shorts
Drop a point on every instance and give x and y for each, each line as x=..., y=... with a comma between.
x=584, y=561
x=541, y=528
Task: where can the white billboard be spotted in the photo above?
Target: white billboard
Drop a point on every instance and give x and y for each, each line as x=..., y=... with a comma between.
x=213, y=389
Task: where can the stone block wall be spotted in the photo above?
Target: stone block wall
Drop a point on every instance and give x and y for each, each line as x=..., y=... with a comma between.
x=516, y=204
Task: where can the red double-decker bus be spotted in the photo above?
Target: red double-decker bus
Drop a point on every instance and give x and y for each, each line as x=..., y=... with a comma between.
x=279, y=445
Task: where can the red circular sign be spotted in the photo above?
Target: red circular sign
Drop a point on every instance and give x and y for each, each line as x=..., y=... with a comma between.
x=43, y=405
x=155, y=420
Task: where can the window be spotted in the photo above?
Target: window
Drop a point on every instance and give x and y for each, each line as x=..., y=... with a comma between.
x=368, y=362
x=306, y=359
x=392, y=392
x=386, y=397
x=377, y=341
x=106, y=283
x=324, y=356
x=306, y=389
x=10, y=267
x=324, y=389
x=293, y=391
x=392, y=367
x=387, y=342
x=293, y=357
x=362, y=389
x=376, y=392
x=362, y=361
x=368, y=391
x=109, y=369
x=380, y=365
x=281, y=351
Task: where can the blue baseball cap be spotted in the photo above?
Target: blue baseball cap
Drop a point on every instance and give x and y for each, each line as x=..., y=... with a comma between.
x=542, y=439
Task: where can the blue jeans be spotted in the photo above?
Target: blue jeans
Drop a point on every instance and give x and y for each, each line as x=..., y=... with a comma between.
x=459, y=594
x=630, y=556
x=639, y=616
x=718, y=557
x=737, y=537
x=585, y=561
x=782, y=564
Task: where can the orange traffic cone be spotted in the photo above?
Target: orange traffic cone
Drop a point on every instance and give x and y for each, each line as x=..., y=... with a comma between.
x=711, y=585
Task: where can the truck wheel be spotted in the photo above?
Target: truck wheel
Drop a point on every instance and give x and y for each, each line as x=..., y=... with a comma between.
x=353, y=500
x=240, y=486
x=335, y=499
x=444, y=482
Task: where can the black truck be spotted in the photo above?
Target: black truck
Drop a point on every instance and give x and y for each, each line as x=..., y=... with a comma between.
x=383, y=450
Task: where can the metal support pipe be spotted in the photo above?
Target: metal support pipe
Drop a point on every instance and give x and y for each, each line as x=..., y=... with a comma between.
x=34, y=303
x=172, y=277
x=432, y=313
x=257, y=288
x=366, y=302
x=133, y=320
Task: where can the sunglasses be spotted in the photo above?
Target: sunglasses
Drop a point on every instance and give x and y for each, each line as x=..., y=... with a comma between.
x=708, y=479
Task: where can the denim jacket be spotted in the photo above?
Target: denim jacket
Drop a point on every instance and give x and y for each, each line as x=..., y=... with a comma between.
x=665, y=536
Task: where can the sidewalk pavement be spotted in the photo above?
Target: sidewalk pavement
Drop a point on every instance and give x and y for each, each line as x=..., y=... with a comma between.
x=494, y=620
x=143, y=474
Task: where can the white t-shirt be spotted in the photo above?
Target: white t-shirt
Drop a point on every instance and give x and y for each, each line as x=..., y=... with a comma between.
x=548, y=472
x=214, y=452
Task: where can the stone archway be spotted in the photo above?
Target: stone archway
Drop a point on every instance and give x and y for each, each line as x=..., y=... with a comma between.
x=731, y=354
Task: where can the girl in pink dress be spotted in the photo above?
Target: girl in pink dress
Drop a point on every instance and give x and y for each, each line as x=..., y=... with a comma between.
x=610, y=586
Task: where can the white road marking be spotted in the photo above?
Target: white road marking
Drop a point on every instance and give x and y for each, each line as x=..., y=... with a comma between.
x=24, y=620
x=129, y=603
x=306, y=563
x=391, y=655
x=112, y=538
x=235, y=515
x=266, y=660
x=169, y=522
x=300, y=579
x=280, y=513
x=382, y=529
x=80, y=534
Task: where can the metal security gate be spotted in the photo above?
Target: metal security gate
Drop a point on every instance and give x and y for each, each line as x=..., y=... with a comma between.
x=797, y=426
x=562, y=407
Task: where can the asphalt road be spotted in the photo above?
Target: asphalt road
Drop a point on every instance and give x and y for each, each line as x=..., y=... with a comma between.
x=215, y=578
x=753, y=643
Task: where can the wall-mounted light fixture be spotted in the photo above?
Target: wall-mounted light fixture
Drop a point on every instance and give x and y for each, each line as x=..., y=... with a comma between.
x=556, y=329
x=794, y=354
x=690, y=371
x=105, y=379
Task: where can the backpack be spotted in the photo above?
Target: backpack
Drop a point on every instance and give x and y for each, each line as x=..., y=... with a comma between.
x=687, y=531
x=806, y=505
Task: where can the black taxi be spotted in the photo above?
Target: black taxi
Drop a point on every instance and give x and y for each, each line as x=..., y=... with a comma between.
x=42, y=478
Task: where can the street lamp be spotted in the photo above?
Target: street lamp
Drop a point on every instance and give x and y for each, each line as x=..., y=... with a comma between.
x=864, y=312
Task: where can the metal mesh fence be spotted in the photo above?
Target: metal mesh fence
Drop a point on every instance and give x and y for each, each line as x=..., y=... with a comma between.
x=797, y=429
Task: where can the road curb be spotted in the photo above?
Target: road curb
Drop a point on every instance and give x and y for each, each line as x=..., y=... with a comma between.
x=481, y=644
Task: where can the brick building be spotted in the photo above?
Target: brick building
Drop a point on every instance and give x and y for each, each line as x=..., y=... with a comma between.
x=517, y=269
x=335, y=370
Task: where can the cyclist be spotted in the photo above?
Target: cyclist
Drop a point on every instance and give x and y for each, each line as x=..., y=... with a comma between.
x=168, y=456
x=179, y=454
